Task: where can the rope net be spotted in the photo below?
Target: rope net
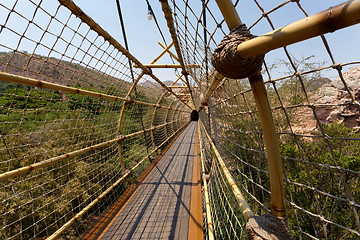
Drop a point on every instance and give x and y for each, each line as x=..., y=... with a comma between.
x=319, y=152
x=78, y=126
x=60, y=115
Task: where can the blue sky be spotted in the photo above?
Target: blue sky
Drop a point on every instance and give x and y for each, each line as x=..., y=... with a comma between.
x=143, y=35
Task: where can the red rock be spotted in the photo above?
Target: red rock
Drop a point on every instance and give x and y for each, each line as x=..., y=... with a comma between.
x=335, y=103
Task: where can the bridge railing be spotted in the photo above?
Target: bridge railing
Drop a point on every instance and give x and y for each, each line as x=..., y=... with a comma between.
x=312, y=99
x=77, y=123
x=76, y=120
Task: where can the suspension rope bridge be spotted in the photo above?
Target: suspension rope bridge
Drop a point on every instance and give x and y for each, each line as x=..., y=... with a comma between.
x=95, y=145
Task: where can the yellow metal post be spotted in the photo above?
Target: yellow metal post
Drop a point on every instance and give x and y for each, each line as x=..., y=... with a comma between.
x=169, y=66
x=181, y=78
x=330, y=20
x=170, y=52
x=215, y=82
x=271, y=145
x=166, y=49
x=243, y=204
x=229, y=13
x=206, y=191
x=121, y=119
x=267, y=123
x=166, y=117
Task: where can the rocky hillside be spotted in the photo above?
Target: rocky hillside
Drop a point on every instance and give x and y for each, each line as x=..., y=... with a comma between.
x=340, y=108
x=67, y=73
x=315, y=85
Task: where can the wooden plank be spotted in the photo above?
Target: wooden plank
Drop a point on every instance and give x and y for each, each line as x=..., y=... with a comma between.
x=96, y=231
x=160, y=206
x=182, y=225
x=159, y=216
x=196, y=218
x=140, y=179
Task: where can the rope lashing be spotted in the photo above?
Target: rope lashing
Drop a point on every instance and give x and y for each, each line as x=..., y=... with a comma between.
x=268, y=227
x=226, y=59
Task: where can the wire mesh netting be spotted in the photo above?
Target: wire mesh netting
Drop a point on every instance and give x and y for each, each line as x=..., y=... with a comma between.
x=315, y=119
x=75, y=118
x=63, y=96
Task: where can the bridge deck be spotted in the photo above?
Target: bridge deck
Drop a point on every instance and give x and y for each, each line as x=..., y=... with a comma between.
x=160, y=208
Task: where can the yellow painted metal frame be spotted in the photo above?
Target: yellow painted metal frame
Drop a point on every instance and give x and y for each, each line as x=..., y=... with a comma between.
x=180, y=87
x=53, y=86
x=267, y=122
x=27, y=169
x=330, y=20
x=99, y=30
x=169, y=65
x=271, y=144
x=56, y=234
x=182, y=79
x=166, y=49
x=243, y=204
x=205, y=189
x=170, y=52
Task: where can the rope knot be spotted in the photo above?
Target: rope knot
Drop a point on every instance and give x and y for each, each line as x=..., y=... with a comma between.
x=226, y=59
x=268, y=227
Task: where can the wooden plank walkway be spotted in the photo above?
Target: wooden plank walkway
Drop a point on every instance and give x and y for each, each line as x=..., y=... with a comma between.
x=160, y=208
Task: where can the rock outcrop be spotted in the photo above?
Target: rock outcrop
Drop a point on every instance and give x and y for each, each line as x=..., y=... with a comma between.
x=335, y=103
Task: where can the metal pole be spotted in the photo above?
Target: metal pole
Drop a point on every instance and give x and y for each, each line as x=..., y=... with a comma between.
x=166, y=49
x=267, y=123
x=56, y=234
x=330, y=20
x=30, y=168
x=53, y=86
x=99, y=30
x=206, y=191
x=271, y=145
x=243, y=204
x=228, y=10
x=215, y=82
x=169, y=65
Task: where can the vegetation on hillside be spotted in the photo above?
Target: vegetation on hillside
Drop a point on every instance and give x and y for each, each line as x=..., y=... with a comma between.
x=321, y=167
x=38, y=124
